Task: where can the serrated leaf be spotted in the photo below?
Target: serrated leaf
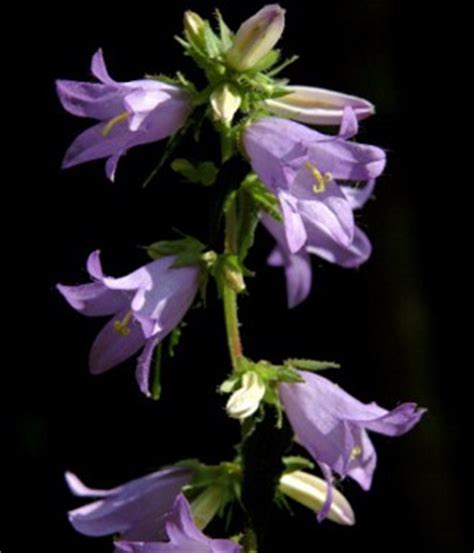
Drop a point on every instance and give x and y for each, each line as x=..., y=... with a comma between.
x=311, y=364
x=248, y=216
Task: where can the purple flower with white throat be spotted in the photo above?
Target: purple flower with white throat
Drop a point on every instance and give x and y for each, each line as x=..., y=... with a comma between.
x=301, y=167
x=130, y=113
x=183, y=536
x=297, y=265
x=145, y=305
x=136, y=510
x=333, y=426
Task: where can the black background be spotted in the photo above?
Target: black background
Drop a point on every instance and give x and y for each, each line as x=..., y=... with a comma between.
x=396, y=325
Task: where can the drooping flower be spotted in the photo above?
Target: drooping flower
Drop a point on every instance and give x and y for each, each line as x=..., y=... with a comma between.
x=130, y=113
x=311, y=491
x=318, y=106
x=301, y=167
x=333, y=426
x=256, y=37
x=145, y=305
x=297, y=265
x=136, y=510
x=183, y=536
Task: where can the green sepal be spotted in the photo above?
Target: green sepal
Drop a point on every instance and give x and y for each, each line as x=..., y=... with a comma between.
x=155, y=385
x=295, y=462
x=262, y=197
x=187, y=250
x=267, y=62
x=311, y=364
x=226, y=35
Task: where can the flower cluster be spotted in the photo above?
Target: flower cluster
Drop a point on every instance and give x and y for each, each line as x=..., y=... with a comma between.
x=303, y=187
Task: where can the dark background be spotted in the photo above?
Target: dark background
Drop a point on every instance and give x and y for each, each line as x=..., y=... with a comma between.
x=396, y=325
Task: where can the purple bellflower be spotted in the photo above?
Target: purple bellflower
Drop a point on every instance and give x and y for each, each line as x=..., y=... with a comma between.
x=332, y=425
x=130, y=113
x=145, y=305
x=136, y=510
x=297, y=265
x=183, y=535
x=301, y=167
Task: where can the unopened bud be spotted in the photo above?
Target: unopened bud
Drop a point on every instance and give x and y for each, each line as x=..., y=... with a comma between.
x=318, y=106
x=194, y=27
x=233, y=278
x=311, y=491
x=225, y=101
x=246, y=400
x=256, y=37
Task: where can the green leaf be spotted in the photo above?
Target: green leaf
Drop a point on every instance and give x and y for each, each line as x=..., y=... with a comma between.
x=311, y=364
x=248, y=214
x=156, y=376
x=295, y=462
x=204, y=173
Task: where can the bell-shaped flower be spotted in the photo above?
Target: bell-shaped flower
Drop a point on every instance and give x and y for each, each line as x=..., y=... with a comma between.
x=303, y=167
x=256, y=37
x=136, y=510
x=130, y=113
x=318, y=106
x=183, y=536
x=311, y=491
x=297, y=265
x=333, y=426
x=145, y=305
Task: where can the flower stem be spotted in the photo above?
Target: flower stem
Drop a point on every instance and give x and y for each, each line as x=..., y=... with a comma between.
x=229, y=295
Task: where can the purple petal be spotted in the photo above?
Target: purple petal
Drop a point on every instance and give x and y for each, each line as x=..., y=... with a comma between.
x=358, y=196
x=81, y=490
x=94, y=265
x=94, y=299
x=361, y=465
x=137, y=510
x=99, y=69
x=327, y=473
x=97, y=101
x=143, y=365
x=180, y=526
x=349, y=123
x=141, y=102
x=163, y=294
x=347, y=160
x=293, y=223
x=111, y=347
x=354, y=254
x=396, y=422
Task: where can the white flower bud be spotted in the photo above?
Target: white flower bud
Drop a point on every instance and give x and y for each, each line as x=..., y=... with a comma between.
x=194, y=27
x=318, y=106
x=311, y=491
x=225, y=102
x=246, y=400
x=256, y=37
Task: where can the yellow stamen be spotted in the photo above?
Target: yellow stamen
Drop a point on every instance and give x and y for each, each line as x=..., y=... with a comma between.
x=114, y=121
x=122, y=326
x=320, y=179
x=356, y=452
